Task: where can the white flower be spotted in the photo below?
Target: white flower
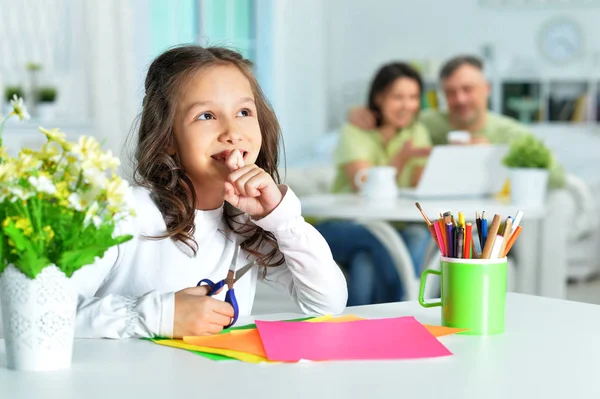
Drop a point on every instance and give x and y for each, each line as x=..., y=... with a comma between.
x=92, y=215
x=107, y=161
x=19, y=107
x=76, y=202
x=95, y=177
x=19, y=193
x=42, y=184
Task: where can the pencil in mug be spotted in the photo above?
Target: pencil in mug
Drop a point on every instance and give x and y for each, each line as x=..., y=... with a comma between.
x=430, y=225
x=461, y=220
x=460, y=242
x=440, y=240
x=484, y=231
x=468, y=239
x=489, y=244
x=496, y=248
x=478, y=225
x=474, y=253
x=448, y=218
x=506, y=235
x=450, y=238
x=517, y=221
x=513, y=237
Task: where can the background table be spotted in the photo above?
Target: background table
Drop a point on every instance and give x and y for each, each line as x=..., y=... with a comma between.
x=551, y=349
x=540, y=249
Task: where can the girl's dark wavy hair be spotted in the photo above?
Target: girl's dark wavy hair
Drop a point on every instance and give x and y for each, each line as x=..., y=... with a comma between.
x=162, y=173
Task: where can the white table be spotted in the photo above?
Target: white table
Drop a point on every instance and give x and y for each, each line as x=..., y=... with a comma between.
x=540, y=247
x=551, y=349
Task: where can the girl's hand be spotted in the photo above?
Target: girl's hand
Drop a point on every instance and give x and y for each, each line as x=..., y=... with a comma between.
x=198, y=314
x=249, y=188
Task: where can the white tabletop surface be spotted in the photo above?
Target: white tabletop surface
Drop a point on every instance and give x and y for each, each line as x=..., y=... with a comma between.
x=551, y=349
x=351, y=206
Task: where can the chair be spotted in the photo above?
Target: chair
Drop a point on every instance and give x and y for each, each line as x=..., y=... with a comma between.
x=583, y=256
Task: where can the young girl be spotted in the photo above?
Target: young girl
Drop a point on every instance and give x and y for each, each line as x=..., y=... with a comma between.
x=207, y=179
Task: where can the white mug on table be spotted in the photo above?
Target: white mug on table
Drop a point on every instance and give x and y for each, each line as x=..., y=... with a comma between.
x=377, y=182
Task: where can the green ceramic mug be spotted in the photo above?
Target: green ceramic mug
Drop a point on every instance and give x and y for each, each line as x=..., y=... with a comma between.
x=473, y=294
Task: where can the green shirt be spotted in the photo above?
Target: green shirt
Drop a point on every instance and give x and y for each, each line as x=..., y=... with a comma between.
x=498, y=129
x=356, y=144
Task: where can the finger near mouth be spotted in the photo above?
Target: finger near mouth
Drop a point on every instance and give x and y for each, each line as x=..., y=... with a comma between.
x=222, y=158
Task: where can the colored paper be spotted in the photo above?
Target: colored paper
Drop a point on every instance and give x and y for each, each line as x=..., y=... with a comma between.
x=440, y=331
x=332, y=319
x=239, y=342
x=243, y=341
x=245, y=357
x=248, y=340
x=396, y=338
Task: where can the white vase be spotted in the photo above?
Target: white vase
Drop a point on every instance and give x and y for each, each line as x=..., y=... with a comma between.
x=38, y=317
x=528, y=186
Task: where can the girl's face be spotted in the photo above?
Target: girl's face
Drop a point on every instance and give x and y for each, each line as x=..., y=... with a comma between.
x=216, y=114
x=400, y=103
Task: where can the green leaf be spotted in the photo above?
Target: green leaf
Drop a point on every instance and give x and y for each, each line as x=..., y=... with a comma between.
x=28, y=260
x=73, y=260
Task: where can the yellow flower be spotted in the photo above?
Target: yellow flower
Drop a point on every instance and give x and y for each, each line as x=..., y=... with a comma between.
x=27, y=161
x=106, y=161
x=86, y=148
x=21, y=223
x=48, y=232
x=7, y=171
x=55, y=135
x=62, y=194
x=116, y=190
x=19, y=108
x=50, y=151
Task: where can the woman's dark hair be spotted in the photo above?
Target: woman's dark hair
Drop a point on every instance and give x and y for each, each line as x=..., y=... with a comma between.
x=383, y=80
x=163, y=174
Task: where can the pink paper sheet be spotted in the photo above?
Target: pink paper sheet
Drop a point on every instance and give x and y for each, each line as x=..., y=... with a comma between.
x=395, y=338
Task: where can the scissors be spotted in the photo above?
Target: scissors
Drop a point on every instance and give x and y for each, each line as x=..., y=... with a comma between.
x=233, y=275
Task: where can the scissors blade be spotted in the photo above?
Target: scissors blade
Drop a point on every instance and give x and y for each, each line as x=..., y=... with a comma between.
x=229, y=280
x=236, y=253
x=240, y=272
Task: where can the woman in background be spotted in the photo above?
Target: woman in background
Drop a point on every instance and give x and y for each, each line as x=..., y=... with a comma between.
x=398, y=140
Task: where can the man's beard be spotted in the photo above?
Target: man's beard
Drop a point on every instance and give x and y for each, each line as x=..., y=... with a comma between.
x=466, y=122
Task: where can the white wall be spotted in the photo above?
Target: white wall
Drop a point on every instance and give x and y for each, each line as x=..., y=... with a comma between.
x=112, y=67
x=364, y=34
x=298, y=73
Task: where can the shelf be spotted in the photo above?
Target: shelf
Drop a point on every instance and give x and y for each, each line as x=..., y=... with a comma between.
x=522, y=101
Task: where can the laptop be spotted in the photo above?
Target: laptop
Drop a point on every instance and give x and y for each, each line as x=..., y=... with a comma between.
x=461, y=171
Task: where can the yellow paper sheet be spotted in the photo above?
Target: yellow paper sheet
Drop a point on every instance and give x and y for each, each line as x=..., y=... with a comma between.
x=244, y=357
x=440, y=331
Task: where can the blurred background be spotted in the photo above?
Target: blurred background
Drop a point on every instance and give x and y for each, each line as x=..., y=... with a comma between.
x=87, y=60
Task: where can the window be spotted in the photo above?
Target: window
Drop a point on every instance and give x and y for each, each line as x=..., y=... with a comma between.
x=228, y=23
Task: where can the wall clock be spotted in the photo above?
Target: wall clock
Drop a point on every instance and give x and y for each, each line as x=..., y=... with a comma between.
x=561, y=40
